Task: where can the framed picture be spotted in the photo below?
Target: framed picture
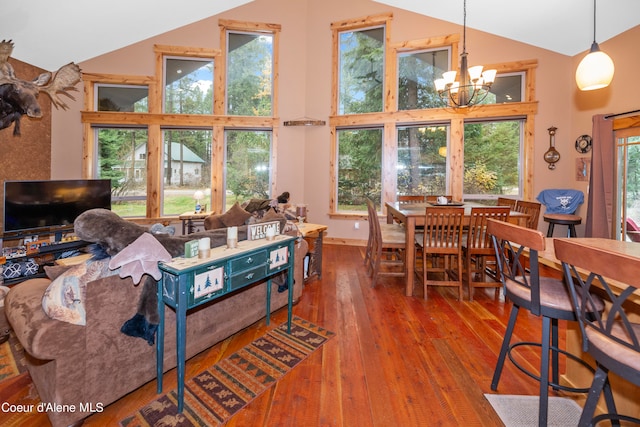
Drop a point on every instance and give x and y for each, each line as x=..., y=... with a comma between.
x=583, y=168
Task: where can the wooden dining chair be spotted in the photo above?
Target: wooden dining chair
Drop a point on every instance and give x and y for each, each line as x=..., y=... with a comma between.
x=516, y=251
x=440, y=243
x=611, y=338
x=478, y=249
x=506, y=201
x=530, y=208
x=387, y=247
x=411, y=198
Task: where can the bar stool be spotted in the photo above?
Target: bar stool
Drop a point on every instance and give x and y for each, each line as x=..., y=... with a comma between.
x=516, y=250
x=561, y=206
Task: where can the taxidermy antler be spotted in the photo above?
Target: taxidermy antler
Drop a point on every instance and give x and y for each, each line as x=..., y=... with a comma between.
x=19, y=97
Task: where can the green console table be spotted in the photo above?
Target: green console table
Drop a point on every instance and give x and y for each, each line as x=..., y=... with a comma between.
x=189, y=282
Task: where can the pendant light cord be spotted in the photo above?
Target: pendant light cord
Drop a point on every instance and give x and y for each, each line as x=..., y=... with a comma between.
x=594, y=21
x=464, y=26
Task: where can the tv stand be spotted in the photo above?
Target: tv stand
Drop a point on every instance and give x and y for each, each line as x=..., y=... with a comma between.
x=43, y=252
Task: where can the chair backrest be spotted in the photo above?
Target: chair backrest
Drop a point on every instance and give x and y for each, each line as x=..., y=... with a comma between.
x=561, y=201
x=633, y=231
x=585, y=266
x=516, y=250
x=478, y=241
x=505, y=201
x=411, y=198
x=375, y=234
x=530, y=208
x=443, y=229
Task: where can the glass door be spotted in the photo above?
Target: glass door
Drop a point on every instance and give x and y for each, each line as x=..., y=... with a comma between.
x=627, y=208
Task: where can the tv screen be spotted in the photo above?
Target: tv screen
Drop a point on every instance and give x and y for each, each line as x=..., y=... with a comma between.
x=30, y=205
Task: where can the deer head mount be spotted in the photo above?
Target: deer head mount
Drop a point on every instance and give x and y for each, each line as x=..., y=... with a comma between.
x=19, y=97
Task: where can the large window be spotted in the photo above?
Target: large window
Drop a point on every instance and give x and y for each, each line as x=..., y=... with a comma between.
x=359, y=168
x=416, y=74
x=422, y=159
x=188, y=86
x=361, y=67
x=492, y=159
x=249, y=74
x=122, y=158
x=187, y=170
x=421, y=144
x=248, y=161
x=175, y=136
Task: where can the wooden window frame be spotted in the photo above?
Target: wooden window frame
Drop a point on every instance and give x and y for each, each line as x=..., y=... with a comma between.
x=391, y=117
x=155, y=119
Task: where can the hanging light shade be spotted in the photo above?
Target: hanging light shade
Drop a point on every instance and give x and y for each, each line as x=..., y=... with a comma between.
x=474, y=84
x=595, y=71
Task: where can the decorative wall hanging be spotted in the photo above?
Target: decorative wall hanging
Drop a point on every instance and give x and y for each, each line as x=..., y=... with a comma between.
x=19, y=97
x=583, y=144
x=552, y=155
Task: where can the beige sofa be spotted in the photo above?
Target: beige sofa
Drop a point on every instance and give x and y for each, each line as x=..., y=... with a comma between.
x=89, y=367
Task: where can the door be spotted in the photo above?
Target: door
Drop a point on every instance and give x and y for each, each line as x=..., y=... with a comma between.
x=627, y=208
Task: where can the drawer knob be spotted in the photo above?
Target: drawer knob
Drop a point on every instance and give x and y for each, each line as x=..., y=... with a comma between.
x=249, y=260
x=249, y=276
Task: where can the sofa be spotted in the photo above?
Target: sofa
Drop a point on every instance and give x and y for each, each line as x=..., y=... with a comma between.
x=87, y=367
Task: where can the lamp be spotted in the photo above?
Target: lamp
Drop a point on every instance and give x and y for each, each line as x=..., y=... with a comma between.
x=198, y=195
x=474, y=84
x=595, y=71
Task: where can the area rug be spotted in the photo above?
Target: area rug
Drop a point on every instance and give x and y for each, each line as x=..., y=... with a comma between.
x=215, y=395
x=12, y=361
x=522, y=411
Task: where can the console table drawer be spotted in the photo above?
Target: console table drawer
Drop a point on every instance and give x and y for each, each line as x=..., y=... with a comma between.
x=248, y=261
x=247, y=277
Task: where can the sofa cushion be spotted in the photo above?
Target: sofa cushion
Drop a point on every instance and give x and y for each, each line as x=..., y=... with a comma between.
x=235, y=216
x=213, y=222
x=64, y=298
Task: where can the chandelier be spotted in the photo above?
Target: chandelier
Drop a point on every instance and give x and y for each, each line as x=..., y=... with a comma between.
x=595, y=71
x=474, y=84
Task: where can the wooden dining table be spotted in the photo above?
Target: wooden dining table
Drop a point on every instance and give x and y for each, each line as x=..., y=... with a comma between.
x=413, y=214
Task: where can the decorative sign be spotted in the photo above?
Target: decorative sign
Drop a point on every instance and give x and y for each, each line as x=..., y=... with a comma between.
x=191, y=249
x=259, y=231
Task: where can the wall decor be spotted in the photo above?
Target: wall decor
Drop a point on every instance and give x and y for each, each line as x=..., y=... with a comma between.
x=551, y=156
x=19, y=97
x=583, y=144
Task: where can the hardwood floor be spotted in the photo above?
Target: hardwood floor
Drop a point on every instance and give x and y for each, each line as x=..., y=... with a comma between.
x=396, y=360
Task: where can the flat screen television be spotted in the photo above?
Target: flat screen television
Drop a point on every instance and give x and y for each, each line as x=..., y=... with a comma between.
x=37, y=205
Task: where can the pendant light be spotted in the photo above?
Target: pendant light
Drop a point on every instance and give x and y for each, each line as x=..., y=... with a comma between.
x=595, y=71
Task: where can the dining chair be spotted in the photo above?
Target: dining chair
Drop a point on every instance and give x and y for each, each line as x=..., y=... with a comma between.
x=506, y=201
x=530, y=208
x=561, y=206
x=611, y=338
x=478, y=249
x=411, y=198
x=387, y=246
x=516, y=250
x=440, y=243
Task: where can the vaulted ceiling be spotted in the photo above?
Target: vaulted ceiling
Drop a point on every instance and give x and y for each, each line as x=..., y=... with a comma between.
x=80, y=31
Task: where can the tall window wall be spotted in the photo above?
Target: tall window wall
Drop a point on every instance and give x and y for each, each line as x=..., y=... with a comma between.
x=392, y=134
x=204, y=125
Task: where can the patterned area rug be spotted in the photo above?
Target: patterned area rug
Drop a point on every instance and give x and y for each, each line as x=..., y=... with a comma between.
x=522, y=411
x=12, y=361
x=215, y=395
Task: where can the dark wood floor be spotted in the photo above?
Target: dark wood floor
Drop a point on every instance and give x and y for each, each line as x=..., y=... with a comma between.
x=396, y=360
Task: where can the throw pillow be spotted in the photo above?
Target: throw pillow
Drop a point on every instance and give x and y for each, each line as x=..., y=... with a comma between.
x=213, y=222
x=64, y=299
x=235, y=216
